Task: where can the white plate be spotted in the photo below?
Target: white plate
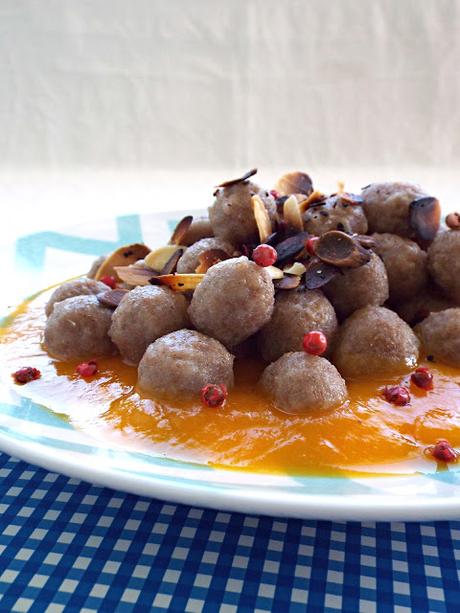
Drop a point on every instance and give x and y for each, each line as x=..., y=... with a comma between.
x=35, y=434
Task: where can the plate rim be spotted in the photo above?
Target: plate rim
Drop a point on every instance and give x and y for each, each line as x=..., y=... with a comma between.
x=301, y=504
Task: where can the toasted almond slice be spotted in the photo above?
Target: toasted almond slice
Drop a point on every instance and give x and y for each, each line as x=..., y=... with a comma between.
x=181, y=230
x=123, y=256
x=274, y=272
x=178, y=282
x=209, y=258
x=264, y=225
x=313, y=198
x=287, y=282
x=158, y=258
x=242, y=179
x=112, y=297
x=341, y=250
x=295, y=269
x=133, y=275
x=171, y=265
x=340, y=187
x=294, y=183
x=291, y=213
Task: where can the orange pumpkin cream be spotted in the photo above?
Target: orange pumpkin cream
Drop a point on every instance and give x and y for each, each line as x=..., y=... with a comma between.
x=290, y=332
x=366, y=434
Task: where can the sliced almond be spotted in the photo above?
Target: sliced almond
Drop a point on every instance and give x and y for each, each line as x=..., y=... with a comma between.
x=133, y=275
x=314, y=198
x=158, y=258
x=291, y=246
x=295, y=269
x=242, y=179
x=264, y=224
x=291, y=213
x=209, y=258
x=179, y=282
x=274, y=272
x=294, y=183
x=123, y=256
x=112, y=297
x=340, y=249
x=181, y=230
x=171, y=265
x=287, y=282
x=425, y=217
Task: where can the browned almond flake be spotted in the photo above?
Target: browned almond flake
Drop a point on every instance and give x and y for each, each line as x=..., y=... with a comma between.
x=123, y=256
x=319, y=273
x=365, y=241
x=133, y=275
x=294, y=183
x=264, y=224
x=181, y=230
x=112, y=298
x=209, y=258
x=178, y=282
x=291, y=213
x=453, y=221
x=171, y=264
x=287, y=282
x=350, y=199
x=424, y=217
x=342, y=250
x=314, y=199
x=245, y=177
x=291, y=246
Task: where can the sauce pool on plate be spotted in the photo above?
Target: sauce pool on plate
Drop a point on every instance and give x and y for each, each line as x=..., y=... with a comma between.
x=366, y=434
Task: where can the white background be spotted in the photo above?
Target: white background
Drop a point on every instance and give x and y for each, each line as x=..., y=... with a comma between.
x=109, y=106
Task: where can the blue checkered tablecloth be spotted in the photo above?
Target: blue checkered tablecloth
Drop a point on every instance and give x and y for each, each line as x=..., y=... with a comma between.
x=66, y=545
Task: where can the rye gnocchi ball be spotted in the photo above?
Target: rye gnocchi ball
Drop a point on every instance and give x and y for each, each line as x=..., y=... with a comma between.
x=200, y=228
x=337, y=213
x=358, y=287
x=440, y=336
x=295, y=313
x=143, y=315
x=76, y=287
x=417, y=308
x=387, y=206
x=234, y=300
x=375, y=341
x=190, y=259
x=231, y=215
x=298, y=383
x=78, y=328
x=183, y=362
x=444, y=263
x=405, y=264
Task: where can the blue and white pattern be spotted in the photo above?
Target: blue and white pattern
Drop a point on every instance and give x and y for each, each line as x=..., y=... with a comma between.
x=30, y=431
x=69, y=546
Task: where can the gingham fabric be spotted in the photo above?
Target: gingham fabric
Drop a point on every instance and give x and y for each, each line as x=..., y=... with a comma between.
x=66, y=545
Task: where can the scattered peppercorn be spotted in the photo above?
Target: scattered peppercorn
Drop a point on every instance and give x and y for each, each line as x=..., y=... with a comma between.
x=422, y=378
x=264, y=255
x=430, y=358
x=213, y=395
x=397, y=394
x=311, y=242
x=110, y=281
x=26, y=374
x=315, y=342
x=443, y=451
x=87, y=369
